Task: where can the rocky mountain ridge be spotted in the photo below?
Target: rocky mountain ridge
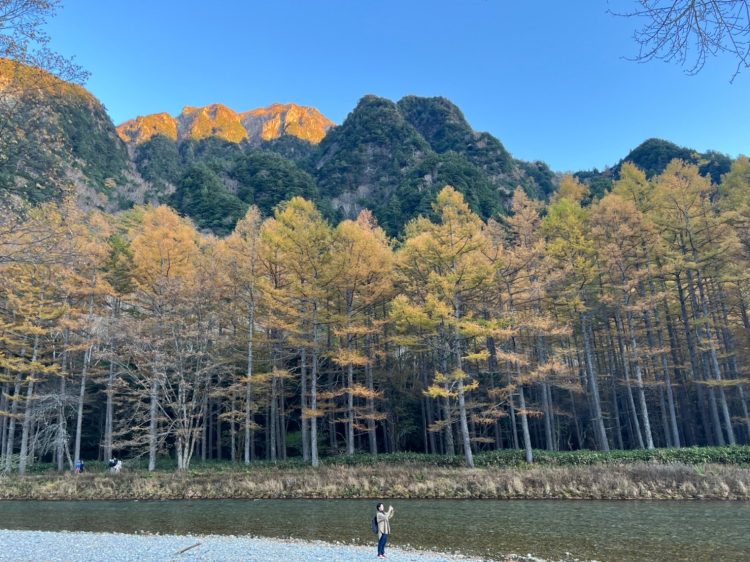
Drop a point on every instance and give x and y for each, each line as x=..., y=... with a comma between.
x=221, y=122
x=212, y=162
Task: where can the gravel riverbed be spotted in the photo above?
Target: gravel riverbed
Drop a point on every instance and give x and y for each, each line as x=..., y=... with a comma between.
x=38, y=546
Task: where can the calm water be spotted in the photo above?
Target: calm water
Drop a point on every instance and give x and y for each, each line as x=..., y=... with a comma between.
x=609, y=531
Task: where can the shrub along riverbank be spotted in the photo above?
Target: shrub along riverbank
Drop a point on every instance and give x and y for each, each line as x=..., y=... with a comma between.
x=691, y=473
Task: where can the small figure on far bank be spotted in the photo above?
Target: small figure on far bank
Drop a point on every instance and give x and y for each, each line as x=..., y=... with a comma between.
x=80, y=467
x=383, y=518
x=115, y=465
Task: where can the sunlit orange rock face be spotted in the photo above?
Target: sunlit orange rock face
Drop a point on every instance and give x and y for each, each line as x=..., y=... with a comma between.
x=143, y=128
x=271, y=122
x=198, y=123
x=219, y=121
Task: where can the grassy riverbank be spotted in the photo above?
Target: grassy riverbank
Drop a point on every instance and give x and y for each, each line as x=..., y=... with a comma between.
x=706, y=473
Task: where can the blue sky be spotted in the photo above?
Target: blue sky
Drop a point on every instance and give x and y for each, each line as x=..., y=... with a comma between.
x=547, y=77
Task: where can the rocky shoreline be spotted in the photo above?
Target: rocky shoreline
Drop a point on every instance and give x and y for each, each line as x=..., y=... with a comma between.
x=22, y=546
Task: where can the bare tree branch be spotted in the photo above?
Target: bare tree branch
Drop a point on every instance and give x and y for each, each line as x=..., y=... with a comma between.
x=690, y=31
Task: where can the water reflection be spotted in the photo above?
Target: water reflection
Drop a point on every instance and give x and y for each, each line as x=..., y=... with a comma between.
x=616, y=531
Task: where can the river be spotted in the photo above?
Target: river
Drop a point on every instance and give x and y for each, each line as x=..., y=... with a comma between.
x=601, y=530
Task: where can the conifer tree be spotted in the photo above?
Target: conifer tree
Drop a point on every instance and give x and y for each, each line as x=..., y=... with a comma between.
x=363, y=259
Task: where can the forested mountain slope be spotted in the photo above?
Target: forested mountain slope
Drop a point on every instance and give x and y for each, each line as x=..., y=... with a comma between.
x=653, y=156
x=56, y=139
x=211, y=162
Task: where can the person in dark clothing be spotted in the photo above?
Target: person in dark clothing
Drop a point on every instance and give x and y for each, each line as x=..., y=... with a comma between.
x=114, y=465
x=384, y=527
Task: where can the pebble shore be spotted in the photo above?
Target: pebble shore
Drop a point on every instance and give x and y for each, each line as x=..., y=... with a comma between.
x=18, y=546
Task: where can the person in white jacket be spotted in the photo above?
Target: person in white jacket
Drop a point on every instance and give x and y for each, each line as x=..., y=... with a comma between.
x=384, y=527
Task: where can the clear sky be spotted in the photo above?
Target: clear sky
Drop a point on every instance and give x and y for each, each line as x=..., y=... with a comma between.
x=547, y=77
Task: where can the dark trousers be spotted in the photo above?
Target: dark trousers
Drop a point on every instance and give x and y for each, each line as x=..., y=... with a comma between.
x=381, y=544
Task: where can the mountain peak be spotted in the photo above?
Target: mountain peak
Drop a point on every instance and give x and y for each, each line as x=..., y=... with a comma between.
x=219, y=121
x=215, y=120
x=142, y=129
x=276, y=120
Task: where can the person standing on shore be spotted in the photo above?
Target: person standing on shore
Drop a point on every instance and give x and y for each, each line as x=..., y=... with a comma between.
x=383, y=518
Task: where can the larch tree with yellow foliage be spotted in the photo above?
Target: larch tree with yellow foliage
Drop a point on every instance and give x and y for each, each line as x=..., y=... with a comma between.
x=444, y=276
x=297, y=253
x=169, y=330
x=524, y=331
x=571, y=252
x=364, y=260
x=241, y=262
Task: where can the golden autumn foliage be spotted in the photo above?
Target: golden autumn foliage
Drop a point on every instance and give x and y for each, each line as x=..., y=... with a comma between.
x=619, y=322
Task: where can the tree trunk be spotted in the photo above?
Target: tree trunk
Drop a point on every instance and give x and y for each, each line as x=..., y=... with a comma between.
x=267, y=432
x=432, y=437
x=152, y=426
x=233, y=429
x=282, y=420
x=639, y=384
x=60, y=441
x=81, y=398
x=26, y=426
x=22, y=461
x=547, y=409
x=458, y=354
x=109, y=409
x=219, y=423
x=206, y=430
x=273, y=414
x=704, y=339
x=672, y=428
x=618, y=424
x=492, y=365
x=61, y=421
x=349, y=377
x=714, y=359
x=546, y=400
x=598, y=421
x=450, y=447
x=330, y=417
x=513, y=424
x=464, y=426
x=304, y=420
x=697, y=371
x=249, y=385
x=745, y=413
x=576, y=421
x=371, y=435
x=525, y=426
x=613, y=369
x=314, y=389
x=731, y=352
x=10, y=440
x=4, y=419
x=681, y=379
x=314, y=403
